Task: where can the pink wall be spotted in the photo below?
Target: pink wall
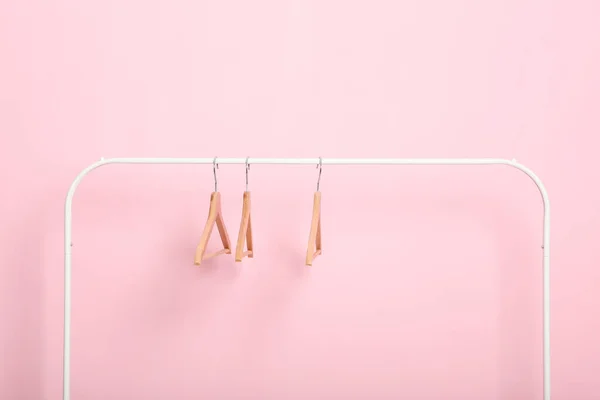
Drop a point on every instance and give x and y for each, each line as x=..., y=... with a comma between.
x=429, y=286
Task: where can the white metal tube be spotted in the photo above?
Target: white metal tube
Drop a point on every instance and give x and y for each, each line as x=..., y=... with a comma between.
x=315, y=161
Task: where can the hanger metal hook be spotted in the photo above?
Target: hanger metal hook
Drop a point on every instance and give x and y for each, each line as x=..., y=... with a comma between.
x=320, y=166
x=247, y=169
x=215, y=167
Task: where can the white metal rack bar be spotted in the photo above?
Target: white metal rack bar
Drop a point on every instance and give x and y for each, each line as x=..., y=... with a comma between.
x=313, y=161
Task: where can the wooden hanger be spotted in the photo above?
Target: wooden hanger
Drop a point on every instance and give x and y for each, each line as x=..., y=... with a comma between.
x=214, y=216
x=314, y=239
x=245, y=234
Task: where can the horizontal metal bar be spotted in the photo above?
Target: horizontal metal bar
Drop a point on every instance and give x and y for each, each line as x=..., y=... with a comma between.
x=300, y=161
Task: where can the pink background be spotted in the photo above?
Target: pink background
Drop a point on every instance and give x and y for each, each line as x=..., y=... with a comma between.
x=430, y=282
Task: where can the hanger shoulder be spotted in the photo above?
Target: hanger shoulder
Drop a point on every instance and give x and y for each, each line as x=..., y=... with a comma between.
x=314, y=239
x=245, y=233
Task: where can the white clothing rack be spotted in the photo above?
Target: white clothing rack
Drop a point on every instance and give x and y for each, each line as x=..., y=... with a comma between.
x=311, y=161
